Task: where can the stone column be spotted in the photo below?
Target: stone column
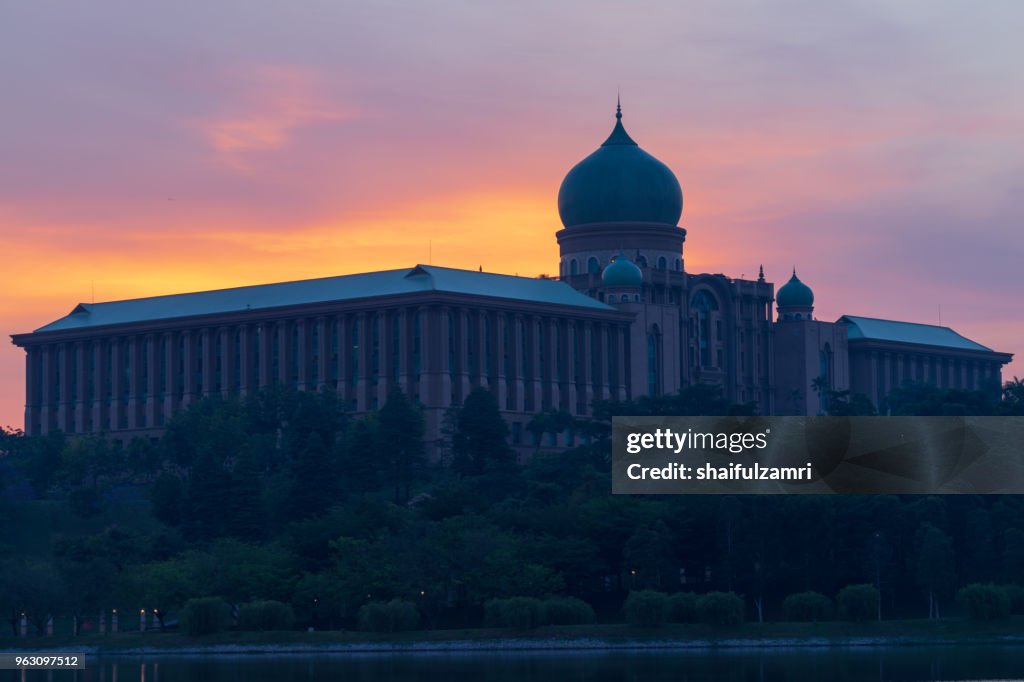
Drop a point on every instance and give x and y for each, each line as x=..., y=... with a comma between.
x=99, y=376
x=117, y=383
x=385, y=371
x=483, y=343
x=363, y=376
x=553, y=340
x=586, y=340
x=81, y=396
x=463, y=327
x=46, y=411
x=323, y=351
x=209, y=360
x=536, y=379
x=302, y=338
x=284, y=355
x=32, y=397
x=152, y=380
x=622, y=360
x=264, y=343
x=569, y=351
x=344, y=356
x=246, y=379
x=499, y=330
x=65, y=400
x=172, y=381
x=600, y=362
x=227, y=360
x=405, y=334
x=134, y=381
x=515, y=361
x=189, y=340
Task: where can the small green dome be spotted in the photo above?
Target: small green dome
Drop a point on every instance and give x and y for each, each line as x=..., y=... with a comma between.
x=620, y=183
x=795, y=293
x=622, y=272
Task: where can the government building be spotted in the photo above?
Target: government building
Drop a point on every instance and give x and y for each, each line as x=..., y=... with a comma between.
x=623, y=319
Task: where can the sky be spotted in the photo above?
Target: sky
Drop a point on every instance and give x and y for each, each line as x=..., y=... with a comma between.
x=152, y=148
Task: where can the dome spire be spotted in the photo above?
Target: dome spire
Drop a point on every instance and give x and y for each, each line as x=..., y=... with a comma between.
x=619, y=134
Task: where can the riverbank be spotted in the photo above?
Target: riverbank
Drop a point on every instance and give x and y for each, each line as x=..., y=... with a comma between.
x=566, y=638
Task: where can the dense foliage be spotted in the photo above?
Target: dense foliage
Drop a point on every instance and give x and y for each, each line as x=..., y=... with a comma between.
x=294, y=513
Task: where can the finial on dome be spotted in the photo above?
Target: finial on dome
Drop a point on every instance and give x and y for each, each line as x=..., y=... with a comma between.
x=618, y=105
x=760, y=273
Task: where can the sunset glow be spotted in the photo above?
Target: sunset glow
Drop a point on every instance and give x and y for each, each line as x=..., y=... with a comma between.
x=149, y=150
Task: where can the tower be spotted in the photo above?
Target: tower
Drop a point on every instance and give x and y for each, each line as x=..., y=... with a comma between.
x=809, y=354
x=619, y=198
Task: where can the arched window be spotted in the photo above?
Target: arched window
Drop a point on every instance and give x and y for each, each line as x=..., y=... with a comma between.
x=679, y=265
x=593, y=265
x=662, y=263
x=642, y=261
x=703, y=305
x=573, y=267
x=625, y=298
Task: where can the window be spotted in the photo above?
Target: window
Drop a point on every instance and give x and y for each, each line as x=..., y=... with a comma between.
x=662, y=263
x=642, y=261
x=573, y=267
x=593, y=265
x=704, y=306
x=679, y=265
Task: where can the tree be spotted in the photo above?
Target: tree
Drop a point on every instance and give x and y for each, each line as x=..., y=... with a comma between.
x=313, y=487
x=920, y=399
x=244, y=513
x=1013, y=398
x=847, y=404
x=362, y=468
x=163, y=586
x=400, y=441
x=934, y=565
x=480, y=440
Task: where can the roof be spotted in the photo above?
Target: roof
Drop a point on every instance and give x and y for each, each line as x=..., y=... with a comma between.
x=873, y=329
x=421, y=278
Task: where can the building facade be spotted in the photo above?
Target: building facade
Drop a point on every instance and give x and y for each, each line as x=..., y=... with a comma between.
x=623, y=319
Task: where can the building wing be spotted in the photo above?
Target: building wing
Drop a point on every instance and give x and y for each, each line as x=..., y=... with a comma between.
x=422, y=278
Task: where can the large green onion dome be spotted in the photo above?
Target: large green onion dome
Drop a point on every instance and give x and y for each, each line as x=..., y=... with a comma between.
x=620, y=182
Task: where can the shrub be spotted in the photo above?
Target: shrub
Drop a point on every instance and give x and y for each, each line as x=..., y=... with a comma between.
x=720, y=608
x=807, y=607
x=265, y=615
x=205, y=616
x=567, y=611
x=984, y=602
x=682, y=607
x=393, y=616
x=858, y=602
x=646, y=608
x=1016, y=594
x=517, y=613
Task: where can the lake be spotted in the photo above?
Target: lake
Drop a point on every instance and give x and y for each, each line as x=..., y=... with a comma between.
x=997, y=662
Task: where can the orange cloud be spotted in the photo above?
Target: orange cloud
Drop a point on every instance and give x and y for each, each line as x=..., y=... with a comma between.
x=274, y=102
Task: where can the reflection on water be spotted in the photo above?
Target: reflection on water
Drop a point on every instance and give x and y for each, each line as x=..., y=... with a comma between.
x=800, y=665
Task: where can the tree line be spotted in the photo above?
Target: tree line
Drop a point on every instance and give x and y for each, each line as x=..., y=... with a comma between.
x=284, y=496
